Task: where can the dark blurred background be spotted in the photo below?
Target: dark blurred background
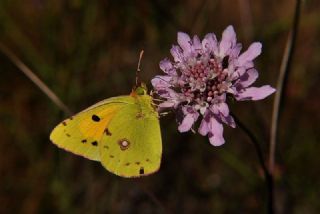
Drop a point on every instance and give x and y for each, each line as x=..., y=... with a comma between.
x=86, y=51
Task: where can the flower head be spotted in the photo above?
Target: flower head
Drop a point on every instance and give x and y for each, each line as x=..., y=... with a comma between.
x=201, y=76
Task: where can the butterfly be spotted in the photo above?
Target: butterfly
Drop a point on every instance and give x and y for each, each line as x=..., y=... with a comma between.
x=123, y=133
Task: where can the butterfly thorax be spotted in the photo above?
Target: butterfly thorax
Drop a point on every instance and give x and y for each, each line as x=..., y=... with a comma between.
x=144, y=101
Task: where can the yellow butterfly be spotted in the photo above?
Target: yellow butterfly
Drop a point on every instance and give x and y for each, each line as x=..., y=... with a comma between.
x=123, y=133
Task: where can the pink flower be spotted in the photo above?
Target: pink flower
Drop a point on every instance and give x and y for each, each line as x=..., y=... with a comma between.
x=201, y=76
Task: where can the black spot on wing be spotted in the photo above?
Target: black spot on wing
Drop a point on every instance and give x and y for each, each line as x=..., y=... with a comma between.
x=64, y=123
x=107, y=131
x=94, y=143
x=141, y=171
x=84, y=141
x=95, y=118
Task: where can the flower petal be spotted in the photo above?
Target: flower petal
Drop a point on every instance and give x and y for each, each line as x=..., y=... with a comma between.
x=254, y=93
x=229, y=121
x=235, y=51
x=176, y=52
x=240, y=71
x=221, y=112
x=190, y=117
x=223, y=109
x=172, y=98
x=166, y=104
x=209, y=43
x=228, y=40
x=253, y=51
x=204, y=125
x=186, y=124
x=248, y=77
x=184, y=41
x=220, y=108
x=167, y=67
x=216, y=132
x=196, y=44
x=161, y=81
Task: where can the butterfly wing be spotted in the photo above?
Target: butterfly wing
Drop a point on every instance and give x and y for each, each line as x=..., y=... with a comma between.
x=132, y=147
x=80, y=134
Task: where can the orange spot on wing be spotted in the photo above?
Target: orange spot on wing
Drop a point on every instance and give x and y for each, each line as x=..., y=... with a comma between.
x=95, y=130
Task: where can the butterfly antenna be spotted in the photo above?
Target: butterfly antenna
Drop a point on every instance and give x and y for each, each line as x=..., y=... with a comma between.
x=138, y=68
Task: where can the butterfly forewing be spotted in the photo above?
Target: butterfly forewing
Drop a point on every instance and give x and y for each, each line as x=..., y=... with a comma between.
x=81, y=133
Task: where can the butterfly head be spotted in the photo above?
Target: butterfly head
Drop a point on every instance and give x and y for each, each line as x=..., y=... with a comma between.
x=140, y=89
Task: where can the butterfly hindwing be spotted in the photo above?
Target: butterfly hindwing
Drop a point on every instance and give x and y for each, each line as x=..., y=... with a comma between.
x=81, y=134
x=131, y=146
